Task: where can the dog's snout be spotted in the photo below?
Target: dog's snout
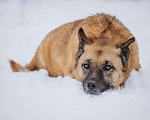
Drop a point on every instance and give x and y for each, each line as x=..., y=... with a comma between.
x=92, y=85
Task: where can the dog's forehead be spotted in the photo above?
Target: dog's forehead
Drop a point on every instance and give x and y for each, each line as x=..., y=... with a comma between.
x=96, y=51
x=99, y=54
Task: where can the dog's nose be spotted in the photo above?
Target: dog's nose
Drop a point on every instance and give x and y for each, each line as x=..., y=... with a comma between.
x=92, y=85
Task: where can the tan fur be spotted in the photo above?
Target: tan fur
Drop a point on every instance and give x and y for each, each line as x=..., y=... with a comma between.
x=57, y=51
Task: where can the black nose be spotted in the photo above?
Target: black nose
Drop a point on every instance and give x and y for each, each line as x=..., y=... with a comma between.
x=92, y=85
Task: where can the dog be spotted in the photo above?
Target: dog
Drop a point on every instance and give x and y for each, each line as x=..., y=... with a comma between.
x=99, y=51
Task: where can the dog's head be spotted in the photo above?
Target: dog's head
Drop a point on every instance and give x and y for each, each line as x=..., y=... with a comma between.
x=101, y=67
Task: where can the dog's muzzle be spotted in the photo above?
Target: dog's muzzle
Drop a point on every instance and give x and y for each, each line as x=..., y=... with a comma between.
x=92, y=87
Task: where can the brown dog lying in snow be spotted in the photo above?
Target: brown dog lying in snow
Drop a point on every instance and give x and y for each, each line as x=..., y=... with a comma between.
x=98, y=51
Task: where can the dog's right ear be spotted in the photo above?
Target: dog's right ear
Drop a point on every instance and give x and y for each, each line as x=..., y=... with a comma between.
x=82, y=41
x=82, y=37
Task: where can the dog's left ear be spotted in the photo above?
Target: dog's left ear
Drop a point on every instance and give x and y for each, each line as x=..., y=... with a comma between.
x=125, y=44
x=125, y=51
x=83, y=40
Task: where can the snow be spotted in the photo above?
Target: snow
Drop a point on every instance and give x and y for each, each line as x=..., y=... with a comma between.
x=35, y=95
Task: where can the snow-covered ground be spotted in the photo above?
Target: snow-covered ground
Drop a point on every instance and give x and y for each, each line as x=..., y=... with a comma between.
x=35, y=95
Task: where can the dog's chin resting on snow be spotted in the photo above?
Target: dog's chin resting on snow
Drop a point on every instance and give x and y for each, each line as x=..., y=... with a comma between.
x=99, y=51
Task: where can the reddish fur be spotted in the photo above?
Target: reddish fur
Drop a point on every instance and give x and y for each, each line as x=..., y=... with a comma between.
x=57, y=51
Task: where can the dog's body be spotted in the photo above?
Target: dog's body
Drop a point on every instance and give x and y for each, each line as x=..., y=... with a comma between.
x=64, y=51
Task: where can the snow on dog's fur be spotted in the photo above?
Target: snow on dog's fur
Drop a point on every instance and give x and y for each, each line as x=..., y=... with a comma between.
x=98, y=51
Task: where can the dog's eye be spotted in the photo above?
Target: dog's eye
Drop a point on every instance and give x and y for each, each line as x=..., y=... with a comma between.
x=107, y=67
x=86, y=66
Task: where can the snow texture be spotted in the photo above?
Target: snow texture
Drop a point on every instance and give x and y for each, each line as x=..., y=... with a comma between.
x=35, y=95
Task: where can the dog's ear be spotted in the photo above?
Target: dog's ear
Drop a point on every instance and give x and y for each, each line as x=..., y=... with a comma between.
x=82, y=37
x=125, y=44
x=83, y=40
x=125, y=51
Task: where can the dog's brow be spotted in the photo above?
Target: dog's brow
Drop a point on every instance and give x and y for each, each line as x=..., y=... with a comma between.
x=89, y=60
x=99, y=52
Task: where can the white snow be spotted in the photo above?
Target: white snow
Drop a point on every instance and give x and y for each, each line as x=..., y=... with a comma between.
x=35, y=95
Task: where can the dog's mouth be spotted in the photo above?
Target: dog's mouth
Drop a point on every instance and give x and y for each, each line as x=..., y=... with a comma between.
x=92, y=92
x=92, y=88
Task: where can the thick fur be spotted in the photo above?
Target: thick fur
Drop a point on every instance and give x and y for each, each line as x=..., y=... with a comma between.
x=58, y=51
